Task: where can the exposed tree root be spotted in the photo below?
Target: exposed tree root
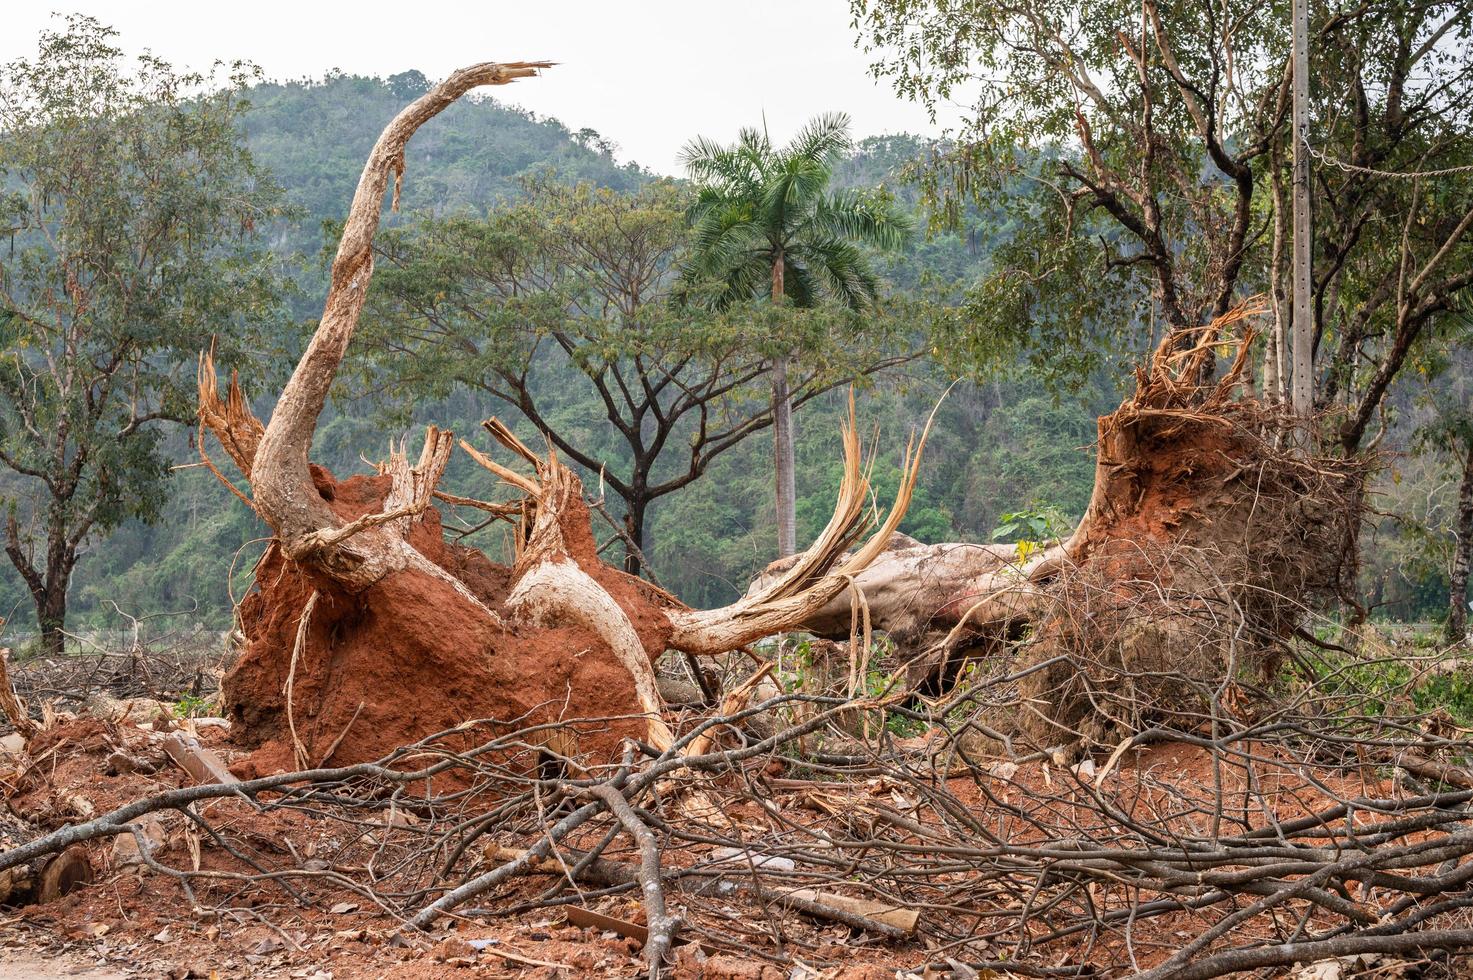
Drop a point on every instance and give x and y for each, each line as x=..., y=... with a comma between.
x=1207, y=540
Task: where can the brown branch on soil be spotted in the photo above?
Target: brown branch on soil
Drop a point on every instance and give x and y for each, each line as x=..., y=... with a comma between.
x=299, y=752
x=503, y=511
x=662, y=925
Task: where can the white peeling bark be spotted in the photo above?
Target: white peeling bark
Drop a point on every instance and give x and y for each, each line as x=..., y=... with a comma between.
x=557, y=592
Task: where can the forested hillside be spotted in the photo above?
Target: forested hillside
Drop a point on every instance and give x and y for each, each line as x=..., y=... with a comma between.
x=705, y=541
x=1008, y=438
x=313, y=136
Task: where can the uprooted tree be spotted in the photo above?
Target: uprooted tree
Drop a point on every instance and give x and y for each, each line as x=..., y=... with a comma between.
x=367, y=629
x=1207, y=540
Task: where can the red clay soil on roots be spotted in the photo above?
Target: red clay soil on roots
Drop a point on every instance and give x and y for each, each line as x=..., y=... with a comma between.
x=417, y=656
x=1214, y=482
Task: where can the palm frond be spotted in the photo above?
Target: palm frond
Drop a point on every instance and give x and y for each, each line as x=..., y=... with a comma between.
x=842, y=268
x=754, y=142
x=822, y=138
x=802, y=289
x=862, y=218
x=790, y=195
x=703, y=157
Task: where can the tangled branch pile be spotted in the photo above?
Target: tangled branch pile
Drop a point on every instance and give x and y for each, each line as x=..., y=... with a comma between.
x=1322, y=831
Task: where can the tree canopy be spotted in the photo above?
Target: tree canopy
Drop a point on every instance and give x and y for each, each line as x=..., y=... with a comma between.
x=580, y=278
x=1155, y=139
x=130, y=205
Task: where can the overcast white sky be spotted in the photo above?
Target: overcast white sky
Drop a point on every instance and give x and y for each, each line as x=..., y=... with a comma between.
x=647, y=74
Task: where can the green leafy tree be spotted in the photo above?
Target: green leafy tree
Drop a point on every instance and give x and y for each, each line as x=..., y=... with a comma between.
x=129, y=204
x=565, y=305
x=1155, y=138
x=766, y=224
x=408, y=85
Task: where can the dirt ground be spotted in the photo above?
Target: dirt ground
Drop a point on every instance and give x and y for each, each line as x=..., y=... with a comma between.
x=137, y=922
x=23, y=966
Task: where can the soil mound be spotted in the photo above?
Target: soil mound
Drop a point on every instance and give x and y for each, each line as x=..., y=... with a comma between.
x=409, y=656
x=1207, y=539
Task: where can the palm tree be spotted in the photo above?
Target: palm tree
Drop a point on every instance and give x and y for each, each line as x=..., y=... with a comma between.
x=766, y=224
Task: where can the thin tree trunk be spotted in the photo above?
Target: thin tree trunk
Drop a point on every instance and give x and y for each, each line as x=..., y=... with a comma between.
x=1457, y=607
x=60, y=559
x=1274, y=390
x=1302, y=379
x=782, y=439
x=51, y=614
x=634, y=530
x=48, y=593
x=784, y=464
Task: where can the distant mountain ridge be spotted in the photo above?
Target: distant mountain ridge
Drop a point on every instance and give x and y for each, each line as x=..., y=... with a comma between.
x=315, y=135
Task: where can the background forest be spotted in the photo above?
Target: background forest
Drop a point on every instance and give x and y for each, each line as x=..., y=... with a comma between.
x=1014, y=435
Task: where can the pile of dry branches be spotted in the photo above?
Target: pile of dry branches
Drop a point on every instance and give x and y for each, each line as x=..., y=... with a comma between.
x=1320, y=829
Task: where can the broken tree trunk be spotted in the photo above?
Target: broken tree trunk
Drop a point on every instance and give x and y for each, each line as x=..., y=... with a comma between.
x=367, y=629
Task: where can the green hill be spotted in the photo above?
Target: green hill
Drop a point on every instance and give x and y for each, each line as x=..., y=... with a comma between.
x=315, y=135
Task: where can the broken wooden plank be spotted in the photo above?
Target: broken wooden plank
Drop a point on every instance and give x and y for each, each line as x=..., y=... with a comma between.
x=589, y=919
x=576, y=915
x=202, y=764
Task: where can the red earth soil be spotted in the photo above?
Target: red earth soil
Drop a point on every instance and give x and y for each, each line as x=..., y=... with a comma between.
x=417, y=656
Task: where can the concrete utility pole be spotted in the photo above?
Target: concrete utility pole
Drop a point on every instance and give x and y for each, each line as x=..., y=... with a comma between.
x=1302, y=371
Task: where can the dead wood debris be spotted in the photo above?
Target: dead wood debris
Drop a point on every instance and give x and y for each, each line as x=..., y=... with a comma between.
x=1267, y=842
x=1223, y=831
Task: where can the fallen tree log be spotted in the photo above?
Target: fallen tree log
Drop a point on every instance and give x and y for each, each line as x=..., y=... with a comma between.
x=368, y=629
x=1207, y=540
x=46, y=876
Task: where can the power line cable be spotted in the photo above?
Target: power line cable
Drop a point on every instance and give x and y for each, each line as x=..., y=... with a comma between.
x=1325, y=158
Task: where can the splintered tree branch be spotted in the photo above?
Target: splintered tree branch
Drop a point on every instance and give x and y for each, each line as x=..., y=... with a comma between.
x=281, y=483
x=10, y=702
x=813, y=579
